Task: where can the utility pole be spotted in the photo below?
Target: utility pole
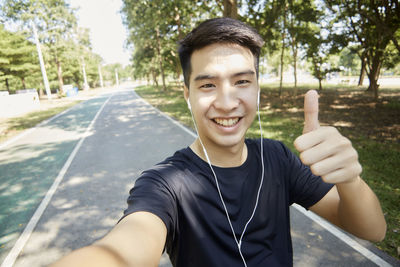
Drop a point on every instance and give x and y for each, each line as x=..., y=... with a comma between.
x=42, y=67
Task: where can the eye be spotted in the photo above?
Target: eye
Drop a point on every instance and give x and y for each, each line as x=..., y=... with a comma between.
x=207, y=85
x=242, y=82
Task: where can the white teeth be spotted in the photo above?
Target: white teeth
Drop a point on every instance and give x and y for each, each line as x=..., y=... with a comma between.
x=226, y=122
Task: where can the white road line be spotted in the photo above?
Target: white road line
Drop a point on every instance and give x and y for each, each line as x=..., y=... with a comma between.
x=19, y=245
x=167, y=117
x=342, y=236
x=345, y=238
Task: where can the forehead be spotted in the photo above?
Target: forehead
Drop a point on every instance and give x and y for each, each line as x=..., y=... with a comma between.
x=221, y=59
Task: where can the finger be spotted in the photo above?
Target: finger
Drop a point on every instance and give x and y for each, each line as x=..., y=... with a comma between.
x=317, y=153
x=331, y=164
x=310, y=111
x=323, y=143
x=343, y=175
x=308, y=140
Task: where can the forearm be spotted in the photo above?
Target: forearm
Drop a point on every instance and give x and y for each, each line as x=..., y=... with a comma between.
x=136, y=241
x=359, y=211
x=94, y=255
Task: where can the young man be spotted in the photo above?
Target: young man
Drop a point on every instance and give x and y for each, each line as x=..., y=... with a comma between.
x=224, y=201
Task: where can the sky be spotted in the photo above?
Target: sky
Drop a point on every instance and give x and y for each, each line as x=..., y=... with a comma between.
x=107, y=33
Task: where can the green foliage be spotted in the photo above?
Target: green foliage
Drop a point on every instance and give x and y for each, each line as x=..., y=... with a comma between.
x=17, y=57
x=154, y=29
x=349, y=61
x=371, y=25
x=65, y=47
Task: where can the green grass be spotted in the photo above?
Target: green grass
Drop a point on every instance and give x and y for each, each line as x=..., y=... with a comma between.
x=14, y=126
x=380, y=160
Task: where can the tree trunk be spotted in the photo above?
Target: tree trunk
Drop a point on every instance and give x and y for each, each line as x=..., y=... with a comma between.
x=23, y=82
x=41, y=93
x=230, y=9
x=362, y=72
x=373, y=75
x=320, y=84
x=59, y=75
x=294, y=49
x=180, y=36
x=7, y=86
x=153, y=73
x=283, y=49
x=396, y=44
x=160, y=58
x=281, y=70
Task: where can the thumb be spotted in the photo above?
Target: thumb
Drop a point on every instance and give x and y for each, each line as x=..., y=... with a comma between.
x=310, y=111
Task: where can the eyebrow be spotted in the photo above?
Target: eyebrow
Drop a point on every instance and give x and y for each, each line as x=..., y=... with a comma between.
x=247, y=72
x=210, y=77
x=204, y=77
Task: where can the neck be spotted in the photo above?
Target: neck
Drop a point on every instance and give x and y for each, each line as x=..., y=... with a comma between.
x=222, y=156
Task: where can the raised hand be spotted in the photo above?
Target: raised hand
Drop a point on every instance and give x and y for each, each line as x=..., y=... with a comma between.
x=328, y=153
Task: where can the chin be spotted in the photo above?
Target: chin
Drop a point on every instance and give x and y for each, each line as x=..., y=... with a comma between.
x=229, y=141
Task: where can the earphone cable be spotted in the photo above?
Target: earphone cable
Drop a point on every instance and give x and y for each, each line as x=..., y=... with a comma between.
x=238, y=243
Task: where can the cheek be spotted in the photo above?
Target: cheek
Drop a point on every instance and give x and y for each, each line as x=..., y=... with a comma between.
x=250, y=101
x=203, y=103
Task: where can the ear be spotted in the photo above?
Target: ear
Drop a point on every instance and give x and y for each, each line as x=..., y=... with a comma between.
x=185, y=93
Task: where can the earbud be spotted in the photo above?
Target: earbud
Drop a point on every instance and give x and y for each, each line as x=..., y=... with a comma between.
x=258, y=98
x=188, y=104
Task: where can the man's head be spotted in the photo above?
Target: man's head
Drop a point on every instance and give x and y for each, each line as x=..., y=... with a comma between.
x=219, y=30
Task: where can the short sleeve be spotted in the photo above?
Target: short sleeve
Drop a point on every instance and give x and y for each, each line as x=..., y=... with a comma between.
x=306, y=189
x=151, y=193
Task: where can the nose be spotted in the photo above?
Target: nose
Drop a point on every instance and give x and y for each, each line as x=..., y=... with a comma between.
x=226, y=98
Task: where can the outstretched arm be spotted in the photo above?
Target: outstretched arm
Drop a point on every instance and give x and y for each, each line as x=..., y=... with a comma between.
x=350, y=204
x=138, y=240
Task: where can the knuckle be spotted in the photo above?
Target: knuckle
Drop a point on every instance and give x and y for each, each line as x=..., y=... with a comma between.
x=315, y=169
x=358, y=168
x=297, y=144
x=304, y=158
x=345, y=141
x=354, y=155
x=331, y=130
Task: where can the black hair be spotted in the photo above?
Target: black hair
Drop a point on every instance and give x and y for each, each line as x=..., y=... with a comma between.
x=218, y=30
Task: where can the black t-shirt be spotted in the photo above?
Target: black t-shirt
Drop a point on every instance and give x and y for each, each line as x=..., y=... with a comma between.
x=181, y=190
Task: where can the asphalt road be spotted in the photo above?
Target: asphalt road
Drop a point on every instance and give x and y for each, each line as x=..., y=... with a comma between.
x=91, y=154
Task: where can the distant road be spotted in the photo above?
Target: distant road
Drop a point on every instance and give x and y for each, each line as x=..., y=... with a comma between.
x=93, y=153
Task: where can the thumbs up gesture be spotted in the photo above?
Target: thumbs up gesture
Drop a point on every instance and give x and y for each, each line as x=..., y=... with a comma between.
x=328, y=153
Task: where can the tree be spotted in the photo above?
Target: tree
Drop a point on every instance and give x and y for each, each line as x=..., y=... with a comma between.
x=349, y=62
x=54, y=19
x=319, y=47
x=17, y=57
x=269, y=18
x=155, y=27
x=230, y=9
x=372, y=25
x=300, y=14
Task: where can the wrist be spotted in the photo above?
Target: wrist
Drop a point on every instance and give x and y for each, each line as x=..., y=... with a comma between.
x=352, y=183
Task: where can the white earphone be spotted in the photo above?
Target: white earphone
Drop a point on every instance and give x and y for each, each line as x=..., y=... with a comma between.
x=188, y=104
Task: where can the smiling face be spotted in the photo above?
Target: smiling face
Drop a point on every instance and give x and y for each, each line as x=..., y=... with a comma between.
x=223, y=94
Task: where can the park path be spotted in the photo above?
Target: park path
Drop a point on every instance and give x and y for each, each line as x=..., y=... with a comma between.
x=95, y=151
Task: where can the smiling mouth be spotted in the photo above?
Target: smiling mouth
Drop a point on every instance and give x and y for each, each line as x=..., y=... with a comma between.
x=226, y=122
